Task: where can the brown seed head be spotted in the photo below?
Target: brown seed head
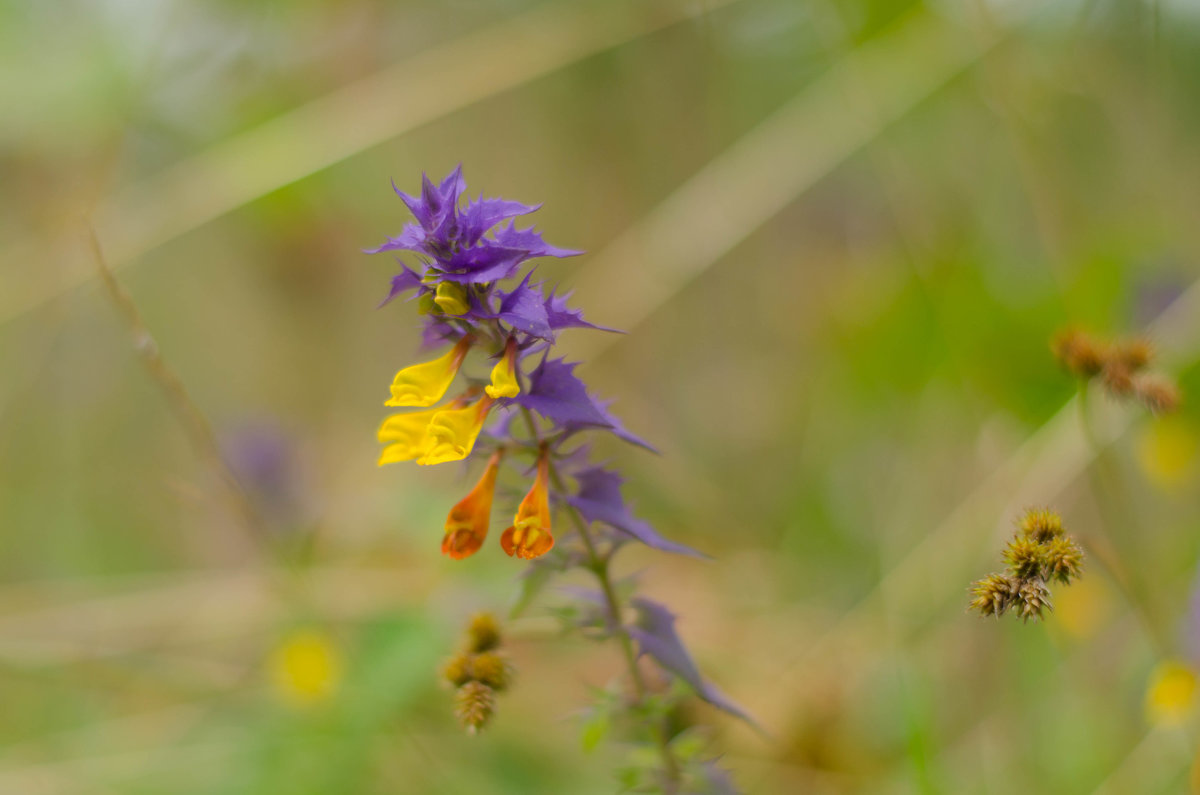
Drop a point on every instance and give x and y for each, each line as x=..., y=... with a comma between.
x=484, y=633
x=475, y=705
x=1081, y=354
x=1133, y=355
x=1040, y=524
x=492, y=669
x=1118, y=380
x=1032, y=598
x=458, y=670
x=1024, y=557
x=993, y=595
x=1064, y=559
x=1158, y=393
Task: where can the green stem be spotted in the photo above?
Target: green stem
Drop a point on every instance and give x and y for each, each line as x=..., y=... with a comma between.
x=598, y=564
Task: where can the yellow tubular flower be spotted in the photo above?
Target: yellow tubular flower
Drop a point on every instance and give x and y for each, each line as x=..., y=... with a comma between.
x=424, y=384
x=406, y=432
x=529, y=537
x=504, y=374
x=452, y=298
x=451, y=433
x=467, y=524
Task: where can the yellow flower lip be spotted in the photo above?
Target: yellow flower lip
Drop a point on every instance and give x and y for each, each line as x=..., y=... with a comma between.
x=452, y=433
x=504, y=374
x=467, y=523
x=405, y=434
x=451, y=298
x=529, y=536
x=424, y=384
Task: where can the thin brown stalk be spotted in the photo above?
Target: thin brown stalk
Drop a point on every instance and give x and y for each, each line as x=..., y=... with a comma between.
x=197, y=427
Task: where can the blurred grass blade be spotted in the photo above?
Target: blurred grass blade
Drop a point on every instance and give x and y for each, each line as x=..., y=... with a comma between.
x=328, y=130
x=768, y=168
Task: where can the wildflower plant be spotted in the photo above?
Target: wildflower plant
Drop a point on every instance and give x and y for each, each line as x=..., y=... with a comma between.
x=524, y=409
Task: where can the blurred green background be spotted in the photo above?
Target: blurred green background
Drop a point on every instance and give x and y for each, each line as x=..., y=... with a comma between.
x=840, y=235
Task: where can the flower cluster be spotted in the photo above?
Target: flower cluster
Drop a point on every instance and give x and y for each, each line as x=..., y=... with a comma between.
x=464, y=254
x=1121, y=368
x=526, y=411
x=1040, y=552
x=479, y=673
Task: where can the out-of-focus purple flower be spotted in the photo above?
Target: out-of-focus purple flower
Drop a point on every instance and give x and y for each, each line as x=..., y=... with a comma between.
x=599, y=500
x=263, y=457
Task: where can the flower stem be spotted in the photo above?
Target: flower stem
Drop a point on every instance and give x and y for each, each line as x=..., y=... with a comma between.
x=598, y=564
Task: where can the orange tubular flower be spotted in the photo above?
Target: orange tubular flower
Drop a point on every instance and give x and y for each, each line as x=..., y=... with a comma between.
x=467, y=524
x=529, y=537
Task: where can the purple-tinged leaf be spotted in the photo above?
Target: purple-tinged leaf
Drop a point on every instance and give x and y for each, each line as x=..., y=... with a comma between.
x=574, y=460
x=437, y=332
x=481, y=264
x=436, y=202
x=482, y=214
x=556, y=394
x=499, y=425
x=402, y=282
x=523, y=309
x=655, y=635
x=599, y=500
x=619, y=430
x=530, y=242
x=559, y=315
x=412, y=238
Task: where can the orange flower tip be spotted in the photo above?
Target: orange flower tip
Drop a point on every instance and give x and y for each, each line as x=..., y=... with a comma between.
x=461, y=543
x=526, y=543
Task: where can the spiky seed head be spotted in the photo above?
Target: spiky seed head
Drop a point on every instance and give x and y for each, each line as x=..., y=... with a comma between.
x=1133, y=354
x=1032, y=598
x=1024, y=557
x=1157, y=393
x=458, y=670
x=1080, y=354
x=1041, y=525
x=1064, y=559
x=483, y=634
x=993, y=595
x=475, y=705
x=1117, y=379
x=492, y=669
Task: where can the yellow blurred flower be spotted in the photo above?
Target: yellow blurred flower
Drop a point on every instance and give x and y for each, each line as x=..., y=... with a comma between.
x=1171, y=694
x=306, y=668
x=1166, y=450
x=1083, y=608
